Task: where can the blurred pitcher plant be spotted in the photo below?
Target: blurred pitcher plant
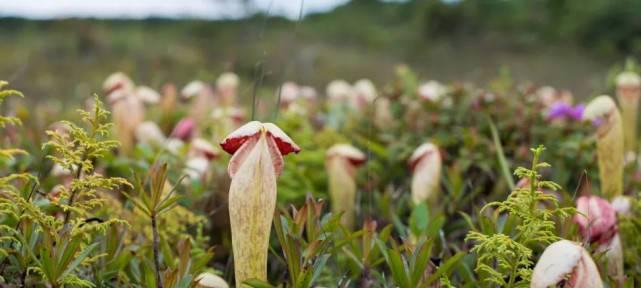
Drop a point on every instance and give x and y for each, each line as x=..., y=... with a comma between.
x=628, y=91
x=604, y=114
x=341, y=163
x=566, y=264
x=425, y=164
x=127, y=108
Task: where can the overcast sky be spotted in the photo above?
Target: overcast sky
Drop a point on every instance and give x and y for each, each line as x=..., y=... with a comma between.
x=207, y=9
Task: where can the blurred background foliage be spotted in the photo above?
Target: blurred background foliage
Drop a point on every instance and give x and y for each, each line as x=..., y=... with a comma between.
x=565, y=43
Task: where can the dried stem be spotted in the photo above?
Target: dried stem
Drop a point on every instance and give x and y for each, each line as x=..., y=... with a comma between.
x=154, y=227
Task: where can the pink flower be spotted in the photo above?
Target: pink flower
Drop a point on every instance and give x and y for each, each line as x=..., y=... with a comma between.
x=184, y=129
x=598, y=222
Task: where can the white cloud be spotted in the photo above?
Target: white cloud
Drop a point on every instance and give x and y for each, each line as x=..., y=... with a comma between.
x=204, y=9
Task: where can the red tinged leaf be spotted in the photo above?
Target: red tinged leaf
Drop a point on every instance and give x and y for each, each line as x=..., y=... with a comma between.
x=241, y=154
x=240, y=142
x=285, y=144
x=236, y=139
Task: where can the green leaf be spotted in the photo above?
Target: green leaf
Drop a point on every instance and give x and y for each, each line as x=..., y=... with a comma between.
x=421, y=258
x=445, y=268
x=81, y=257
x=255, y=283
x=505, y=168
x=419, y=219
x=70, y=250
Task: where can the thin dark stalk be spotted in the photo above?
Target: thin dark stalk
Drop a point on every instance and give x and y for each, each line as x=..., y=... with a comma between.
x=23, y=278
x=259, y=71
x=259, y=76
x=154, y=227
x=73, y=196
x=287, y=65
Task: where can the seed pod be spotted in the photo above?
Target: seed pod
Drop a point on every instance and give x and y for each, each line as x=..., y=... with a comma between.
x=628, y=92
x=257, y=160
x=567, y=263
x=603, y=112
x=425, y=164
x=341, y=162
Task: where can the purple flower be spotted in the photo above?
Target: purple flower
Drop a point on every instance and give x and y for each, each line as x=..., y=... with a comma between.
x=577, y=112
x=562, y=110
